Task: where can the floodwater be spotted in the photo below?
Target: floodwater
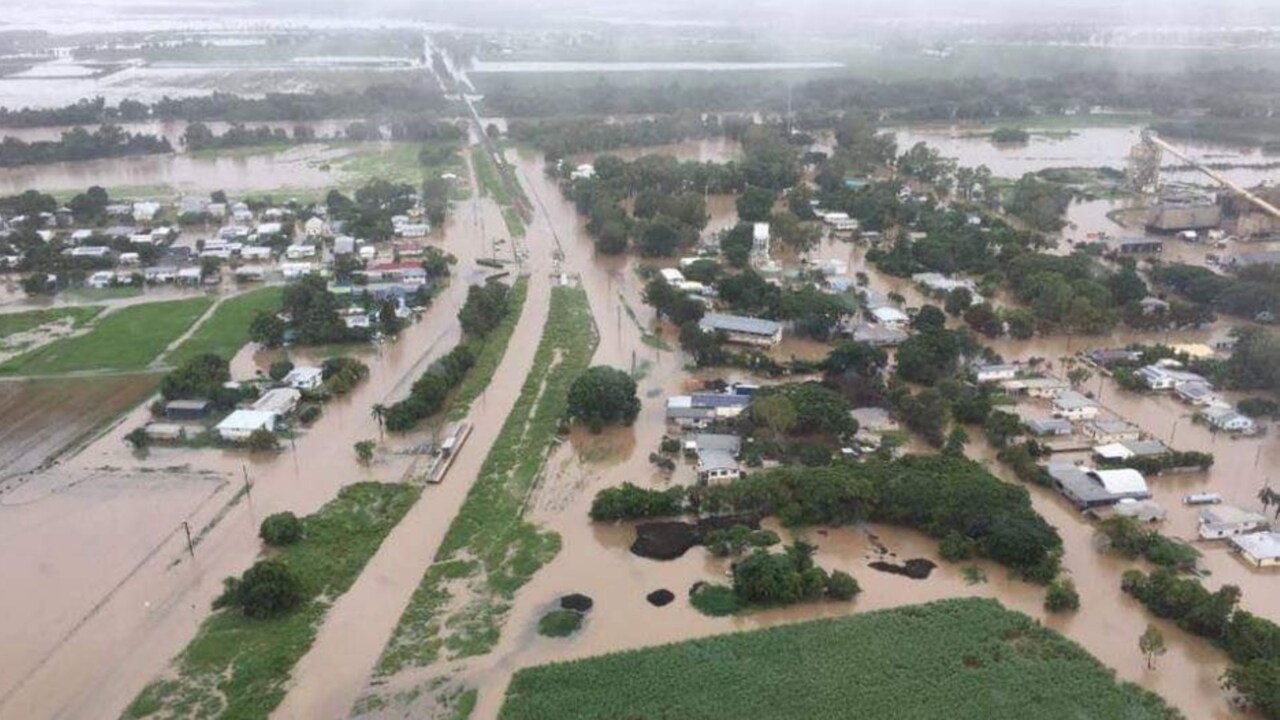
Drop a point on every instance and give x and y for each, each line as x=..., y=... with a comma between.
x=172, y=130
x=136, y=599
x=595, y=559
x=1084, y=147
x=297, y=167
x=539, y=66
x=718, y=149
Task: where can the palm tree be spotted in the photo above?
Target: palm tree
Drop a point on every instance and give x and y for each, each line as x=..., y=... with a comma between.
x=379, y=413
x=1269, y=497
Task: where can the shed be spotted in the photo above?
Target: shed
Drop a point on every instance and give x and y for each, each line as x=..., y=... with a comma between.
x=304, y=378
x=186, y=409
x=239, y=425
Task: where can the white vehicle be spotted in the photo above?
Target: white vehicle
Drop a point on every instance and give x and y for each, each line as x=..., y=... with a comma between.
x=1207, y=498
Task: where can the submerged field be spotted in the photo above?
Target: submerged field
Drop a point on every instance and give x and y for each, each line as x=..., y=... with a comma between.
x=127, y=339
x=967, y=658
x=237, y=667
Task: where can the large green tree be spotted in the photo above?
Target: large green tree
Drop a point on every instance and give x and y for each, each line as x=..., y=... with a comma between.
x=603, y=395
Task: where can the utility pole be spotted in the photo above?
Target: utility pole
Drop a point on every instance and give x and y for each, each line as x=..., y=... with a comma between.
x=190, y=547
x=248, y=486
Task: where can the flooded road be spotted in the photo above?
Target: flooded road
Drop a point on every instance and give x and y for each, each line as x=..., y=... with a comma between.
x=127, y=608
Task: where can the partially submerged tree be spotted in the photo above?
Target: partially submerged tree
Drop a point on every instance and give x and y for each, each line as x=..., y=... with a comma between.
x=603, y=395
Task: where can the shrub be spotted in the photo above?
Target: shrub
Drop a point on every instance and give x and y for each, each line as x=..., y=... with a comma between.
x=364, y=451
x=559, y=623
x=279, y=369
x=629, y=502
x=715, y=600
x=309, y=413
x=842, y=586
x=603, y=395
x=138, y=438
x=262, y=440
x=267, y=589
x=1062, y=596
x=280, y=529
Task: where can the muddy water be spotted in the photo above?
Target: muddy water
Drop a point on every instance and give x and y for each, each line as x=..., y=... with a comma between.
x=716, y=149
x=595, y=559
x=136, y=600
x=172, y=130
x=296, y=167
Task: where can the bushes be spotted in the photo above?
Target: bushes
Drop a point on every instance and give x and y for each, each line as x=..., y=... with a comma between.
x=267, y=589
x=1157, y=464
x=341, y=374
x=279, y=369
x=1127, y=536
x=1062, y=596
x=484, y=309
x=1252, y=642
x=629, y=502
x=261, y=440
x=715, y=600
x=559, y=623
x=280, y=529
x=200, y=377
x=842, y=586
x=429, y=392
x=785, y=578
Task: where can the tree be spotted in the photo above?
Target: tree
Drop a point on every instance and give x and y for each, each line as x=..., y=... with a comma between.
x=364, y=451
x=379, y=414
x=776, y=413
x=1259, y=683
x=261, y=440
x=1151, y=643
x=1062, y=596
x=842, y=586
x=484, y=309
x=280, y=529
x=956, y=442
x=200, y=377
x=856, y=357
x=1079, y=375
x=267, y=329
x=958, y=300
x=755, y=204
x=138, y=439
x=279, y=370
x=603, y=395
x=267, y=589
x=1022, y=323
x=929, y=318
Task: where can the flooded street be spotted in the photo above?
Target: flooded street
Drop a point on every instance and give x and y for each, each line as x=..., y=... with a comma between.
x=129, y=606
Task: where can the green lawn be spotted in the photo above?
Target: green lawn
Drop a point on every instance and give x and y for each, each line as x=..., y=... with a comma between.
x=237, y=667
x=13, y=323
x=126, y=339
x=964, y=658
x=227, y=330
x=489, y=543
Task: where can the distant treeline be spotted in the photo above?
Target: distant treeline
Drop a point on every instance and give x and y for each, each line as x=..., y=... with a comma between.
x=558, y=137
x=108, y=141
x=1221, y=94
x=383, y=99
x=199, y=136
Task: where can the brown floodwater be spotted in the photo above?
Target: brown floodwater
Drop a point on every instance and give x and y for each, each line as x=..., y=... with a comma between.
x=136, y=599
x=595, y=558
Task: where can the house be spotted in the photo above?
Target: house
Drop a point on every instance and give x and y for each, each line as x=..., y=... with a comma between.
x=840, y=222
x=186, y=410
x=313, y=227
x=295, y=270
x=1087, y=488
x=1048, y=427
x=1112, y=451
x=938, y=283
x=716, y=467
x=1249, y=259
x=1111, y=357
x=1153, y=305
x=145, y=212
x=90, y=251
x=833, y=267
x=994, y=372
x=744, y=330
x=1194, y=393
x=239, y=425
x=300, y=252
x=164, y=431
x=1140, y=246
x=404, y=272
x=159, y=274
x=1071, y=405
x=269, y=228
x=1222, y=417
x=672, y=276
x=890, y=317
x=251, y=273
x=584, y=171
x=413, y=230
x=343, y=245
x=281, y=401
x=256, y=253
x=1163, y=377
x=1036, y=387
x=101, y=279
x=304, y=378
x=191, y=275
x=81, y=236
x=1145, y=448
x=1111, y=431
x=879, y=335
x=1260, y=550
x=1141, y=510
x=193, y=205
x=874, y=419
x=698, y=409
x=1224, y=521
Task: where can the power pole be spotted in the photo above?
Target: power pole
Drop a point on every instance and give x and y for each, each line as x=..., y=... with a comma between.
x=190, y=547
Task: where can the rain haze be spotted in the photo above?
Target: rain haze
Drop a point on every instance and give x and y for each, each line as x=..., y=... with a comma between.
x=579, y=360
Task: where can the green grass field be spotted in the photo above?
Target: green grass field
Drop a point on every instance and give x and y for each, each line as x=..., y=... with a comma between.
x=490, y=545
x=964, y=658
x=14, y=323
x=238, y=667
x=227, y=330
x=126, y=339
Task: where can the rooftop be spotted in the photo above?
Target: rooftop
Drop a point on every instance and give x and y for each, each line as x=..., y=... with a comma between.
x=1071, y=400
x=1230, y=515
x=739, y=323
x=1263, y=545
x=248, y=420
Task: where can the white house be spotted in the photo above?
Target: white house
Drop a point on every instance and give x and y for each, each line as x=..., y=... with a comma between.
x=1036, y=387
x=1160, y=377
x=295, y=270
x=1111, y=431
x=890, y=317
x=1071, y=405
x=251, y=272
x=672, y=276
x=269, y=228
x=101, y=279
x=584, y=171
x=1222, y=417
x=994, y=373
x=1260, y=549
x=256, y=252
x=300, y=252
x=313, y=227
x=239, y=425
x=304, y=377
x=1224, y=521
x=344, y=245
x=145, y=212
x=280, y=401
x=413, y=230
